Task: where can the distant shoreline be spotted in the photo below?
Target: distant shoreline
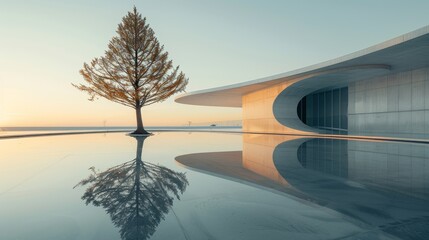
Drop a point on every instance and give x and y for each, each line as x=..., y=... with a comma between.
x=233, y=130
x=25, y=132
x=124, y=128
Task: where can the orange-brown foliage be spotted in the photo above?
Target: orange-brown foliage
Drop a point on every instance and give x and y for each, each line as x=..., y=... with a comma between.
x=135, y=70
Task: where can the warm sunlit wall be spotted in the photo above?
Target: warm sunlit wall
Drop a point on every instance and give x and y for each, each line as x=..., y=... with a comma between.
x=258, y=113
x=395, y=103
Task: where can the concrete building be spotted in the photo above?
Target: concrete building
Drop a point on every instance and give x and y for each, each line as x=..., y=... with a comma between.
x=379, y=91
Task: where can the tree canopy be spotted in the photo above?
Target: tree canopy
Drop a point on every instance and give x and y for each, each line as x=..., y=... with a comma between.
x=135, y=70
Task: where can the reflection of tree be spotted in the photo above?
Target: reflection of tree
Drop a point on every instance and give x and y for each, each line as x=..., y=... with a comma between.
x=136, y=194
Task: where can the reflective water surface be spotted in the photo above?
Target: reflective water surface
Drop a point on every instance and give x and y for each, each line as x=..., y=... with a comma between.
x=136, y=194
x=178, y=185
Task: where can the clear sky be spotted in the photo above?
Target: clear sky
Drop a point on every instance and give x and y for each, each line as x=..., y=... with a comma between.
x=44, y=43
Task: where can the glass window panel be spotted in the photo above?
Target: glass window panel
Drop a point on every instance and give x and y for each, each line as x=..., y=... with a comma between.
x=327, y=109
x=336, y=108
x=315, y=110
x=309, y=110
x=344, y=107
x=304, y=110
x=321, y=109
x=328, y=104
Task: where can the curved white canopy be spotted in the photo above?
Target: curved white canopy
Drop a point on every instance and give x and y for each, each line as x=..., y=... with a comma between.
x=406, y=52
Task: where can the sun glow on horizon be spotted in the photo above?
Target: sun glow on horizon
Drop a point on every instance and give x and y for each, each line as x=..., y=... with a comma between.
x=43, y=46
x=3, y=117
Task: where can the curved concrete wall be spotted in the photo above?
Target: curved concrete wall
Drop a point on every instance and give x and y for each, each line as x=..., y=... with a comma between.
x=274, y=109
x=258, y=115
x=388, y=91
x=388, y=105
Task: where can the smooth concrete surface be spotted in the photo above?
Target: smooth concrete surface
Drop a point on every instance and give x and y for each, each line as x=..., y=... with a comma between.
x=408, y=51
x=274, y=109
x=387, y=94
x=394, y=103
x=285, y=105
x=258, y=115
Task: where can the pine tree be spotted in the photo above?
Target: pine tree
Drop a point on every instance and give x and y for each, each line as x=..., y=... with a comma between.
x=135, y=71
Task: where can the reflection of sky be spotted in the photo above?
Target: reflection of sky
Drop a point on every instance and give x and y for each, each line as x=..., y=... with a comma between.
x=36, y=184
x=37, y=176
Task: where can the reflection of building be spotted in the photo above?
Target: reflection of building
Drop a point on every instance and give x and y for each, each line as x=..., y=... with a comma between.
x=391, y=166
x=258, y=155
x=380, y=184
x=382, y=90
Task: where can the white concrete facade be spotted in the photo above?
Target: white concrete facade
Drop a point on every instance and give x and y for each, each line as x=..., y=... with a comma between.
x=394, y=103
x=388, y=91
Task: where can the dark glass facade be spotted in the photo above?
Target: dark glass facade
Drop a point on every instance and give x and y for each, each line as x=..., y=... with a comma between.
x=326, y=109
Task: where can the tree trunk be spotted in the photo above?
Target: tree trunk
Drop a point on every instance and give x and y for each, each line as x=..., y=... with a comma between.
x=140, y=128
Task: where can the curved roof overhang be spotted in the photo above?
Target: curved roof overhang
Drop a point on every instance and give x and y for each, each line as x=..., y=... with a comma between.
x=406, y=52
